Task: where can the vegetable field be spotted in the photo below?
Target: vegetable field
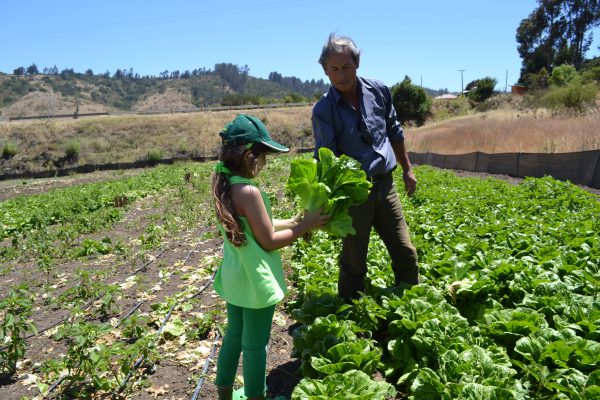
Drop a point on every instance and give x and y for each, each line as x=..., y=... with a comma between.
x=105, y=293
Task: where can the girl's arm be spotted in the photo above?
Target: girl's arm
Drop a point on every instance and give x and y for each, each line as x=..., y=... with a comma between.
x=249, y=204
x=280, y=224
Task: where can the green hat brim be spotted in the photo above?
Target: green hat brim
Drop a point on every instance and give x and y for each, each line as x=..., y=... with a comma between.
x=273, y=145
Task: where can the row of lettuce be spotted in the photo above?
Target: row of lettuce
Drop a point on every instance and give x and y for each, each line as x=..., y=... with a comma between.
x=47, y=227
x=508, y=307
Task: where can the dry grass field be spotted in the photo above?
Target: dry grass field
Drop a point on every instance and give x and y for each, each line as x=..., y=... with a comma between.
x=505, y=131
x=128, y=138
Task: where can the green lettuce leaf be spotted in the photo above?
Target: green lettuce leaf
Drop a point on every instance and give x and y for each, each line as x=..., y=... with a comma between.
x=353, y=384
x=333, y=184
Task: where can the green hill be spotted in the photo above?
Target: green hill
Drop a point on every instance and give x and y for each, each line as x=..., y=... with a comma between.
x=52, y=92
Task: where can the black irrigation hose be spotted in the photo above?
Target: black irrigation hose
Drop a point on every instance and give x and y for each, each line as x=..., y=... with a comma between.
x=139, y=361
x=148, y=263
x=205, y=368
x=160, y=329
x=139, y=304
x=54, y=385
x=141, y=358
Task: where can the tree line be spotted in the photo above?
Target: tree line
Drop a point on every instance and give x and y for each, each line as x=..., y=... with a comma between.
x=557, y=32
x=234, y=76
x=225, y=85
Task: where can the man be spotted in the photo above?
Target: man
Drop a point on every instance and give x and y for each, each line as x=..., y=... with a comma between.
x=356, y=117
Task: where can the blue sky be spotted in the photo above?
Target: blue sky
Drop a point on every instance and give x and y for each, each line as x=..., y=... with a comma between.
x=427, y=40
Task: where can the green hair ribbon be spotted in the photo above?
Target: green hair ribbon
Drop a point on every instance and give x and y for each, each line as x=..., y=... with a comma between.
x=220, y=168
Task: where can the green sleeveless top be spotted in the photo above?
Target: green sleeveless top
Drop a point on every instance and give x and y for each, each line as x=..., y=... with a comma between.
x=249, y=276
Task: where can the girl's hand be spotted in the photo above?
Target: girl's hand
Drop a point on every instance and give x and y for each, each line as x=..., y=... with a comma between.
x=315, y=219
x=298, y=217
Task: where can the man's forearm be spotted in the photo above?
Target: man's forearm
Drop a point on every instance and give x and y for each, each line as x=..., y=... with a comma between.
x=401, y=155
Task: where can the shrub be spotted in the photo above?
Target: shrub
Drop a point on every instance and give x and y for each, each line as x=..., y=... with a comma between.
x=482, y=89
x=562, y=75
x=536, y=81
x=411, y=102
x=155, y=155
x=9, y=151
x=592, y=74
x=72, y=151
x=574, y=95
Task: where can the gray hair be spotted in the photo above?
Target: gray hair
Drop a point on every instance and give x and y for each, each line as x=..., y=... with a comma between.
x=337, y=45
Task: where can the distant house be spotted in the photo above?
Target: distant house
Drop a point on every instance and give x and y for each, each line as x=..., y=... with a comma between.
x=446, y=96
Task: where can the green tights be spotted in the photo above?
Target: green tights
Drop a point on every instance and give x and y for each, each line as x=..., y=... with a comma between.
x=248, y=331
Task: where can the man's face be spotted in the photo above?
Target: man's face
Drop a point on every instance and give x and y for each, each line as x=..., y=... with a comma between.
x=341, y=71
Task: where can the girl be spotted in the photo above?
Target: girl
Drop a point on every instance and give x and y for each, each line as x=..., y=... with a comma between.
x=250, y=278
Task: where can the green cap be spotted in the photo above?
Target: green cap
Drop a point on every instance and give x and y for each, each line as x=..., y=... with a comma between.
x=248, y=129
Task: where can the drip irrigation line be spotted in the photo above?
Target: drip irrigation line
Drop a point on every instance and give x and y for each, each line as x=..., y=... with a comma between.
x=207, y=284
x=205, y=368
x=55, y=384
x=160, y=330
x=139, y=304
x=141, y=359
x=130, y=313
x=147, y=263
x=89, y=304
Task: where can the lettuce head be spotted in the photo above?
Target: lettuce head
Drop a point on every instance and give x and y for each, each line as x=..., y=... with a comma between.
x=333, y=184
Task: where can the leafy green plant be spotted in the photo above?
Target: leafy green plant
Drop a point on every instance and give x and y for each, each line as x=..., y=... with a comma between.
x=315, y=304
x=473, y=373
x=508, y=299
x=202, y=325
x=152, y=237
x=362, y=355
x=14, y=326
x=367, y=313
x=355, y=385
x=108, y=302
x=333, y=184
x=9, y=150
x=135, y=327
x=155, y=155
x=72, y=151
x=314, y=340
x=90, y=286
x=92, y=362
x=91, y=247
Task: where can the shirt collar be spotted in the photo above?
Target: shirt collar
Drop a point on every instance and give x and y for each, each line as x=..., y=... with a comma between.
x=337, y=96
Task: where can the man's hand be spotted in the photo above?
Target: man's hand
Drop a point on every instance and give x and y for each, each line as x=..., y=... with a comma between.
x=410, y=182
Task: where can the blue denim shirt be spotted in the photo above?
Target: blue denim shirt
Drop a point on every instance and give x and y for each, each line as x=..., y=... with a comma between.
x=336, y=126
